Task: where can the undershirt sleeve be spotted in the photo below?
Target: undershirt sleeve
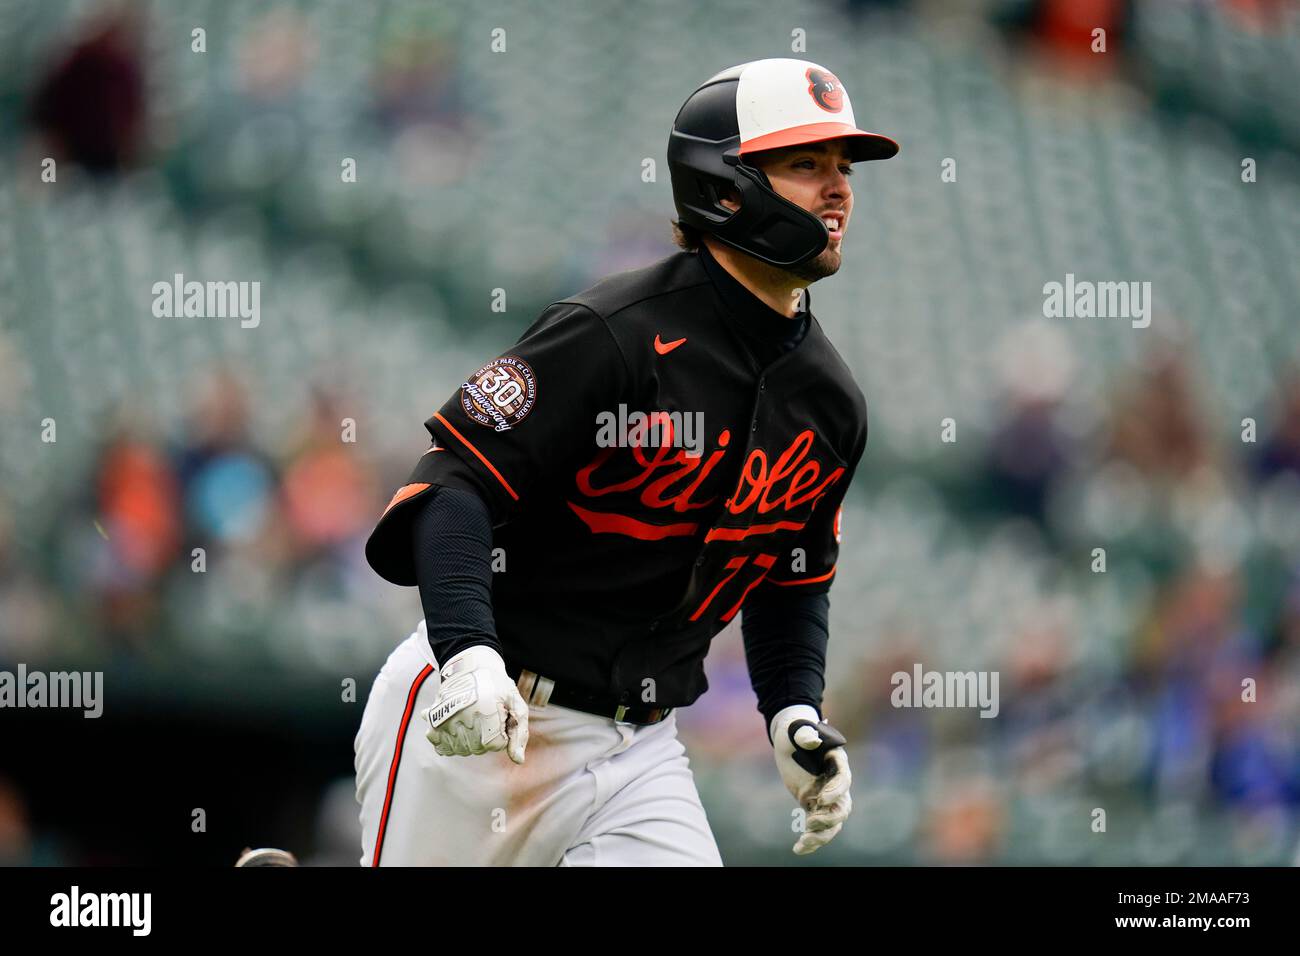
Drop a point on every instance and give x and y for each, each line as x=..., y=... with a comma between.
x=452, y=545
x=785, y=637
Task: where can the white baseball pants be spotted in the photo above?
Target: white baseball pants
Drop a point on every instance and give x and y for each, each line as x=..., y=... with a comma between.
x=591, y=792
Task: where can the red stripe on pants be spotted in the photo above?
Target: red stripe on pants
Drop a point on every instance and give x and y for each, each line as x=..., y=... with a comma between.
x=397, y=758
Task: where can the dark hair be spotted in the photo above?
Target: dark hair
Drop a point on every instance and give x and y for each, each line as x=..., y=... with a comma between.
x=687, y=237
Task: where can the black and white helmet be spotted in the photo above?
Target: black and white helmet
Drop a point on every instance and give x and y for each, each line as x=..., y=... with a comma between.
x=763, y=104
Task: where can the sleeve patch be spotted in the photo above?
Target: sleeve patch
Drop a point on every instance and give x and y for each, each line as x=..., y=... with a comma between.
x=501, y=394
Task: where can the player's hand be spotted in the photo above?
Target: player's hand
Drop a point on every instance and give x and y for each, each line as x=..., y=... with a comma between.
x=810, y=756
x=478, y=709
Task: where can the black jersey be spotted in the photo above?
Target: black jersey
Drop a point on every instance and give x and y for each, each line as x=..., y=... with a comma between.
x=647, y=467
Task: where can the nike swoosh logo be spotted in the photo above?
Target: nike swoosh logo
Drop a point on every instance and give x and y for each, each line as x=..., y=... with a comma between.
x=663, y=348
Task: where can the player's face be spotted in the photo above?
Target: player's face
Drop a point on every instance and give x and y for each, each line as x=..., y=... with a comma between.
x=814, y=177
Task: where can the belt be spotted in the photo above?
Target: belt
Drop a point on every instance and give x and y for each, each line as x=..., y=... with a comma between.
x=539, y=691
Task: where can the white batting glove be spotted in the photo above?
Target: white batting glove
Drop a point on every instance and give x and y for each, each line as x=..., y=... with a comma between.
x=479, y=708
x=810, y=756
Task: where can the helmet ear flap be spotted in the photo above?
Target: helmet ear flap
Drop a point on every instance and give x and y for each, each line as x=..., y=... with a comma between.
x=736, y=161
x=716, y=196
x=768, y=226
x=761, y=176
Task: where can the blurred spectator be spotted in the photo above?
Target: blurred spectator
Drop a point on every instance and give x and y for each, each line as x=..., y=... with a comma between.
x=1280, y=451
x=328, y=493
x=965, y=821
x=138, y=517
x=416, y=81
x=1029, y=450
x=228, y=483
x=1156, y=425
x=1256, y=764
x=1026, y=454
x=276, y=53
x=1068, y=28
x=91, y=105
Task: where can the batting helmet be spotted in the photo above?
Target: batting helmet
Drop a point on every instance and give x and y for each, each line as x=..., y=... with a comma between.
x=763, y=104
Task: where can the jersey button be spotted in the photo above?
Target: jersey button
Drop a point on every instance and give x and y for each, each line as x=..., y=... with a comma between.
x=755, y=428
x=762, y=384
x=699, y=562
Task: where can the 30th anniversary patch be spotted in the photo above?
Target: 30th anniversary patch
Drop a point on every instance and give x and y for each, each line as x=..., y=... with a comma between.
x=500, y=394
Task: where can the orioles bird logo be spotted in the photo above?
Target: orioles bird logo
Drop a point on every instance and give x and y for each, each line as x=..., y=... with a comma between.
x=825, y=90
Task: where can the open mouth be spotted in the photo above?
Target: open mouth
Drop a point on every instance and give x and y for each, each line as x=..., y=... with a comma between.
x=834, y=225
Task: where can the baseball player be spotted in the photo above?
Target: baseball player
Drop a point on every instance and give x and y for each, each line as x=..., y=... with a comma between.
x=655, y=453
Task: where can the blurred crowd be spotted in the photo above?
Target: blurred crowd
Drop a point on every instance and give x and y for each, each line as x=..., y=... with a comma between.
x=1196, y=711
x=272, y=525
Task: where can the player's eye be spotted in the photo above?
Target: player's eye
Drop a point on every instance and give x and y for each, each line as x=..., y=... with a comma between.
x=846, y=169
